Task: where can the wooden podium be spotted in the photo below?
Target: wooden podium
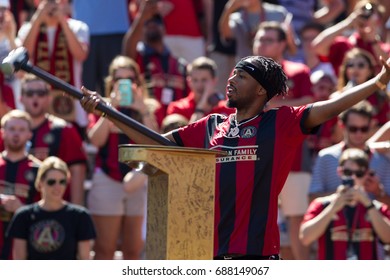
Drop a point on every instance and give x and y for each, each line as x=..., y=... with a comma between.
x=180, y=217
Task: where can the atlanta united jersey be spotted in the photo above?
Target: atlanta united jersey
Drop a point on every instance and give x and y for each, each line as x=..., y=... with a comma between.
x=107, y=157
x=56, y=137
x=341, y=237
x=260, y=152
x=16, y=178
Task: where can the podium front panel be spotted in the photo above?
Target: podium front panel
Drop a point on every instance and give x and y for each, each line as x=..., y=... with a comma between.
x=180, y=218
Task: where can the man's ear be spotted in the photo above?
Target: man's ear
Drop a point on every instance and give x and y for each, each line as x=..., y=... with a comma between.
x=261, y=91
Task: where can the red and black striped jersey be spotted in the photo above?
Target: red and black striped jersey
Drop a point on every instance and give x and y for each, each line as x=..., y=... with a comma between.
x=249, y=179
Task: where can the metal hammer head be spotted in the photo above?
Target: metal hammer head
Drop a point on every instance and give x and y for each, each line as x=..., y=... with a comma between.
x=15, y=60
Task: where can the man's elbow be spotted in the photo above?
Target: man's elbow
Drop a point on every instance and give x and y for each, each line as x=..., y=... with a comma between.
x=385, y=239
x=304, y=236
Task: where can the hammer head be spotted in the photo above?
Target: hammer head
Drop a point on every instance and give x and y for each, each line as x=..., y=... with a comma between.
x=15, y=61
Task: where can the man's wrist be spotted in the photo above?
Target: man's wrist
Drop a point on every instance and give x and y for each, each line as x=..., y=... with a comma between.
x=380, y=85
x=369, y=206
x=375, y=41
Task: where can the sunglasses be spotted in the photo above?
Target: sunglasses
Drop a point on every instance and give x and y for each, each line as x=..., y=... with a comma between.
x=52, y=182
x=37, y=92
x=354, y=129
x=358, y=173
x=359, y=65
x=268, y=41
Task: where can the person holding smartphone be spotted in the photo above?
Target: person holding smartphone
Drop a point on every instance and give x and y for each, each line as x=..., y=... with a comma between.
x=348, y=224
x=117, y=199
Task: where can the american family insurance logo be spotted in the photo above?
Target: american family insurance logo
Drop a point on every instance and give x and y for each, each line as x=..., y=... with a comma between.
x=243, y=153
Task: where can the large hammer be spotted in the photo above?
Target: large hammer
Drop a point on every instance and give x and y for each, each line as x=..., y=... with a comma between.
x=17, y=60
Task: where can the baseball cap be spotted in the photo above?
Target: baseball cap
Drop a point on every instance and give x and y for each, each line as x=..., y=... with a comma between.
x=4, y=3
x=318, y=75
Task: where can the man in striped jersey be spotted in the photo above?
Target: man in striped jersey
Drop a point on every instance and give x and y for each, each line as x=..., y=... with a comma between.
x=261, y=147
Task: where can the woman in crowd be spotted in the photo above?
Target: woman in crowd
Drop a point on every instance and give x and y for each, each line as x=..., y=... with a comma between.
x=52, y=228
x=357, y=67
x=117, y=198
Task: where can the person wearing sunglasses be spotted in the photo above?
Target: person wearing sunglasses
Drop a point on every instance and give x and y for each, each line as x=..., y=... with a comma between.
x=357, y=67
x=348, y=224
x=53, y=136
x=355, y=125
x=362, y=26
x=117, y=198
x=52, y=228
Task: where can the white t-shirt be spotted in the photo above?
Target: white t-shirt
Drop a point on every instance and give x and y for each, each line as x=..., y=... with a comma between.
x=81, y=30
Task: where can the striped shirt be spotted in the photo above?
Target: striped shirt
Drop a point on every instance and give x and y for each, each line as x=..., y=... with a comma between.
x=249, y=179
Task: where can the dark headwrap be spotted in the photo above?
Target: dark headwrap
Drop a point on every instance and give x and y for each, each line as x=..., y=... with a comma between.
x=263, y=75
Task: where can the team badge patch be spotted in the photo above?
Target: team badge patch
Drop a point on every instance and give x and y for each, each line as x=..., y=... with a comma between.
x=48, y=138
x=248, y=132
x=47, y=236
x=29, y=176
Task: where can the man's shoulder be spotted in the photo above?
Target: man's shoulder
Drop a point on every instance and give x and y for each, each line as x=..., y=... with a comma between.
x=293, y=68
x=76, y=209
x=56, y=122
x=322, y=200
x=332, y=151
x=26, y=209
x=182, y=103
x=77, y=24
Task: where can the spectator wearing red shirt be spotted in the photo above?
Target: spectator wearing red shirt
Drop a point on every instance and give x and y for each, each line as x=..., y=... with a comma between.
x=17, y=173
x=347, y=223
x=164, y=74
x=185, y=27
x=53, y=136
x=357, y=67
x=7, y=100
x=203, y=98
x=364, y=21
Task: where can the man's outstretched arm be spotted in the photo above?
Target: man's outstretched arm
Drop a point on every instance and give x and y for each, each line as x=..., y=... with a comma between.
x=325, y=110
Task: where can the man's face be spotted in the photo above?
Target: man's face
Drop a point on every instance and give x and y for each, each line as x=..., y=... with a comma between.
x=357, y=69
x=153, y=32
x=307, y=37
x=323, y=89
x=35, y=98
x=356, y=130
x=367, y=25
x=16, y=133
x=199, y=79
x=266, y=43
x=241, y=90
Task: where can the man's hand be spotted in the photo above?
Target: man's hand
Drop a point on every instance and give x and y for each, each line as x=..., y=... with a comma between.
x=340, y=198
x=90, y=100
x=384, y=75
x=10, y=202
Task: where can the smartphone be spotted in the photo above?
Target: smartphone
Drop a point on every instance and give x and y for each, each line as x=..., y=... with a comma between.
x=348, y=182
x=368, y=10
x=126, y=92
